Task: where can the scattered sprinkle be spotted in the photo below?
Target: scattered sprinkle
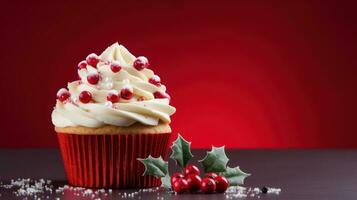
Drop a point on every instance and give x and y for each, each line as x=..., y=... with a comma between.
x=264, y=190
x=237, y=192
x=45, y=189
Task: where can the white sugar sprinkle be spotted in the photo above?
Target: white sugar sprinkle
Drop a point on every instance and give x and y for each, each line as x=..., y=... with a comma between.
x=274, y=190
x=236, y=192
x=45, y=189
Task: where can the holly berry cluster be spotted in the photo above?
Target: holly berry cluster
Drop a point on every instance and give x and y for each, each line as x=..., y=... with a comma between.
x=126, y=93
x=217, y=176
x=190, y=181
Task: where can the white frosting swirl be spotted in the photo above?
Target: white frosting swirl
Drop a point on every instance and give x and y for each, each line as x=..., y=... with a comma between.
x=142, y=107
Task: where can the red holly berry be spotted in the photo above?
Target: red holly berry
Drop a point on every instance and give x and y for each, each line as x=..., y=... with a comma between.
x=93, y=78
x=161, y=95
x=194, y=182
x=180, y=186
x=85, y=97
x=63, y=94
x=126, y=93
x=211, y=175
x=208, y=186
x=82, y=64
x=191, y=169
x=175, y=177
x=115, y=67
x=155, y=80
x=140, y=63
x=92, y=59
x=221, y=184
x=113, y=97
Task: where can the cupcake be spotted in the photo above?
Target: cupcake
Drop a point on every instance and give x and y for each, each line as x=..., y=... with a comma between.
x=116, y=112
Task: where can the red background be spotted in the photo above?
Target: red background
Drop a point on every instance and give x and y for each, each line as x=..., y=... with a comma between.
x=245, y=74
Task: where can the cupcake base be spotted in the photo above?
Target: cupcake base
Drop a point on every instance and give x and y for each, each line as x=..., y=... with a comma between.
x=110, y=161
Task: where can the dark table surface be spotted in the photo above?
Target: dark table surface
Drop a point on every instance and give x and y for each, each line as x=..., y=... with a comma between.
x=301, y=174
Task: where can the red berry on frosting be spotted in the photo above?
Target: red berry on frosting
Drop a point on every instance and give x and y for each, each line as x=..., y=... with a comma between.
x=92, y=59
x=82, y=64
x=191, y=169
x=221, y=184
x=63, y=94
x=194, y=182
x=140, y=63
x=93, y=78
x=180, y=186
x=113, y=97
x=126, y=93
x=115, y=67
x=155, y=80
x=208, y=186
x=175, y=177
x=161, y=95
x=85, y=97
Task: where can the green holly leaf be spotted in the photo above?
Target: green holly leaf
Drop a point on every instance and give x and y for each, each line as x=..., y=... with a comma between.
x=181, y=152
x=154, y=166
x=166, y=181
x=234, y=175
x=215, y=160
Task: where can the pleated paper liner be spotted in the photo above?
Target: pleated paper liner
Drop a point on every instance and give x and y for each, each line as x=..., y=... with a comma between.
x=110, y=161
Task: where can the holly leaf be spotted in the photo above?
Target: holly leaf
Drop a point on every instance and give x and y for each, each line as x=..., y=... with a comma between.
x=215, y=160
x=234, y=175
x=154, y=166
x=166, y=181
x=181, y=152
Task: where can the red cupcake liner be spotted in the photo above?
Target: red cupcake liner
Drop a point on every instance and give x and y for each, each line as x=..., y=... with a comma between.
x=110, y=161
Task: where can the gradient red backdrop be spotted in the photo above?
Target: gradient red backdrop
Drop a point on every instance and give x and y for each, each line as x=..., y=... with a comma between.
x=245, y=74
